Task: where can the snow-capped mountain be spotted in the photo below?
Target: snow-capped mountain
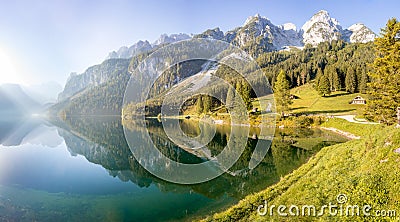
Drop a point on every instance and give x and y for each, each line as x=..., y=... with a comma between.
x=259, y=26
x=321, y=28
x=164, y=38
x=125, y=52
x=144, y=46
x=358, y=33
x=256, y=29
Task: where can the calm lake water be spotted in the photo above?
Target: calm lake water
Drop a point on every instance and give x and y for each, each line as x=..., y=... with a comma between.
x=82, y=169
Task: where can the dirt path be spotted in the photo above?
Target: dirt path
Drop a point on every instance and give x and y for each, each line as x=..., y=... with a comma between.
x=351, y=118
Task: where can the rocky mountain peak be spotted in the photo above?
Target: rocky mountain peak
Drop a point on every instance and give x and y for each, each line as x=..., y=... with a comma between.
x=164, y=38
x=321, y=28
x=257, y=18
x=215, y=33
x=358, y=33
x=124, y=52
x=289, y=26
x=257, y=30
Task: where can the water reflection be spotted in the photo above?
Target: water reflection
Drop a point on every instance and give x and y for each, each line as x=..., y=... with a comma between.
x=85, y=165
x=102, y=142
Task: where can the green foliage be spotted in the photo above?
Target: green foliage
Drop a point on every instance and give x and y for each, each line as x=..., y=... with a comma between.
x=300, y=66
x=361, y=169
x=384, y=89
x=230, y=98
x=350, y=81
x=199, y=105
x=244, y=90
x=207, y=104
x=324, y=87
x=105, y=99
x=282, y=93
x=333, y=77
x=332, y=59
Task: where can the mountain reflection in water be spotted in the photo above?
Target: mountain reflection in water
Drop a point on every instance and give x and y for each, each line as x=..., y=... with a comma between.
x=83, y=169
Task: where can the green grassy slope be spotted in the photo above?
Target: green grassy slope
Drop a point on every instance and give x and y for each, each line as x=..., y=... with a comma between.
x=310, y=102
x=366, y=170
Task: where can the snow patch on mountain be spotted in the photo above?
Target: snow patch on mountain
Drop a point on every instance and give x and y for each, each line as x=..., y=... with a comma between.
x=321, y=28
x=125, y=52
x=277, y=36
x=289, y=26
x=144, y=46
x=358, y=33
x=164, y=38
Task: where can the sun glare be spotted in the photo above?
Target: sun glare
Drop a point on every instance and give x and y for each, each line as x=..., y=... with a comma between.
x=8, y=72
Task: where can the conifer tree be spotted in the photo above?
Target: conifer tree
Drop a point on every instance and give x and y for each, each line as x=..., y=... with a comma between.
x=350, y=81
x=282, y=93
x=230, y=98
x=247, y=96
x=335, y=80
x=207, y=104
x=363, y=82
x=199, y=105
x=244, y=90
x=384, y=89
x=318, y=78
x=323, y=86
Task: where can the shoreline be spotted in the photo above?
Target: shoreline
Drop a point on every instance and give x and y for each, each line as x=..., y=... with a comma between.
x=341, y=132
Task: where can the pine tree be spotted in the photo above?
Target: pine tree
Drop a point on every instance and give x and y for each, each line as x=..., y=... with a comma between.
x=329, y=74
x=318, y=78
x=350, y=81
x=230, y=98
x=282, y=93
x=247, y=96
x=363, y=82
x=323, y=87
x=336, y=80
x=384, y=89
x=207, y=102
x=244, y=90
x=199, y=105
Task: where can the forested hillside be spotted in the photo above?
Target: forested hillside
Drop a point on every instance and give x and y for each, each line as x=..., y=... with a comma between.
x=343, y=65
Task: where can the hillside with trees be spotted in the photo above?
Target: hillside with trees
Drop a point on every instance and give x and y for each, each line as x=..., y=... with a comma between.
x=330, y=66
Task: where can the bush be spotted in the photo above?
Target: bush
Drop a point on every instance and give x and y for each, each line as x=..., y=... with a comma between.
x=304, y=121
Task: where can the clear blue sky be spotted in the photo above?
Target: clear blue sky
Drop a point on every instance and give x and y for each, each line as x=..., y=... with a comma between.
x=43, y=41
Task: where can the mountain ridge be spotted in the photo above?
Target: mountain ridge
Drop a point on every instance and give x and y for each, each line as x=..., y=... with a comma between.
x=256, y=31
x=320, y=27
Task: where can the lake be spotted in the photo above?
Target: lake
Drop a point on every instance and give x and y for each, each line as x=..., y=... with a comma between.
x=82, y=169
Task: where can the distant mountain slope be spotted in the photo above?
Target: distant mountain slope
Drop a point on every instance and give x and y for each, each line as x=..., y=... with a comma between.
x=93, y=76
x=256, y=36
x=15, y=102
x=144, y=46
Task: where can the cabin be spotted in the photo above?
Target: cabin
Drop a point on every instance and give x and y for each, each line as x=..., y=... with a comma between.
x=254, y=111
x=358, y=100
